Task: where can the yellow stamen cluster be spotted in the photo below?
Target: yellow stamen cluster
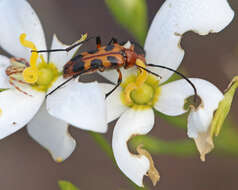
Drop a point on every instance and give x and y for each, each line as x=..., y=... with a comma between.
x=141, y=91
x=40, y=76
x=30, y=74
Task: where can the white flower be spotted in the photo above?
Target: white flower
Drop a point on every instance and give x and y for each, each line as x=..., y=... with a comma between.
x=134, y=100
x=23, y=103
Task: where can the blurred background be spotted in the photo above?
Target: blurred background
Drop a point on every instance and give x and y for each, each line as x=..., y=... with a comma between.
x=26, y=165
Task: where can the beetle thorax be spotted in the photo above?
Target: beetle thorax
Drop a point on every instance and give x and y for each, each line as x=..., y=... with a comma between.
x=131, y=57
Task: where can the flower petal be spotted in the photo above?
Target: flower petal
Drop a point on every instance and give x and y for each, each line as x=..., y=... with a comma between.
x=112, y=75
x=60, y=58
x=52, y=134
x=172, y=100
x=115, y=107
x=17, y=109
x=199, y=122
x=199, y=119
x=80, y=104
x=132, y=123
x=174, y=94
x=17, y=17
x=4, y=63
x=174, y=19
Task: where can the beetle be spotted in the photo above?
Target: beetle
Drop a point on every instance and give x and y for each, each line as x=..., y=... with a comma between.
x=113, y=56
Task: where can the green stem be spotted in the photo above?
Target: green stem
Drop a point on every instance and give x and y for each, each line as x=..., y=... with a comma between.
x=158, y=146
x=106, y=147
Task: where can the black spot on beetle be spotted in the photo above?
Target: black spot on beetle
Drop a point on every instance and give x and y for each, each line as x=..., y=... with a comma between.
x=77, y=57
x=93, y=51
x=78, y=66
x=96, y=63
x=109, y=47
x=113, y=60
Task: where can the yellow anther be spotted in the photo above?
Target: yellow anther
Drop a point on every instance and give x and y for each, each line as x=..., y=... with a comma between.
x=143, y=96
x=42, y=59
x=129, y=88
x=0, y=112
x=26, y=43
x=140, y=80
x=30, y=75
x=30, y=45
x=143, y=74
x=83, y=37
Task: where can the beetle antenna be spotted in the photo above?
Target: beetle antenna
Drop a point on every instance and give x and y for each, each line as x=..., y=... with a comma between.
x=62, y=84
x=180, y=74
x=149, y=71
x=66, y=49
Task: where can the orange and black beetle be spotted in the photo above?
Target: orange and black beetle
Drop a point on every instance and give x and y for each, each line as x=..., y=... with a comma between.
x=111, y=56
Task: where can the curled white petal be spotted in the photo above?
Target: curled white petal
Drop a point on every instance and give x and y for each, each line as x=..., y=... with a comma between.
x=132, y=123
x=80, y=104
x=174, y=19
x=115, y=107
x=174, y=94
x=199, y=119
x=171, y=102
x=199, y=122
x=17, y=109
x=17, y=17
x=62, y=57
x=4, y=63
x=52, y=134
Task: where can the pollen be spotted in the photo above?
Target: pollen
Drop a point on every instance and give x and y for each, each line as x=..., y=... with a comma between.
x=30, y=45
x=48, y=74
x=30, y=75
x=0, y=112
x=140, y=91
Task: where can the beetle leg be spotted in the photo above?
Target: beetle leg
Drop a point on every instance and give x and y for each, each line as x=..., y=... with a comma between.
x=98, y=41
x=118, y=83
x=62, y=84
x=101, y=69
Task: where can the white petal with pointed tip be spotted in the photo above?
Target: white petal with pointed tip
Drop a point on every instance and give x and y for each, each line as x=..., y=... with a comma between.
x=4, y=63
x=80, y=104
x=52, y=134
x=175, y=18
x=17, y=109
x=173, y=95
x=60, y=58
x=115, y=107
x=17, y=17
x=132, y=123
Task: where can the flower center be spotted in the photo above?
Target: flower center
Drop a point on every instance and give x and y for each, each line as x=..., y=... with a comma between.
x=40, y=76
x=143, y=94
x=140, y=91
